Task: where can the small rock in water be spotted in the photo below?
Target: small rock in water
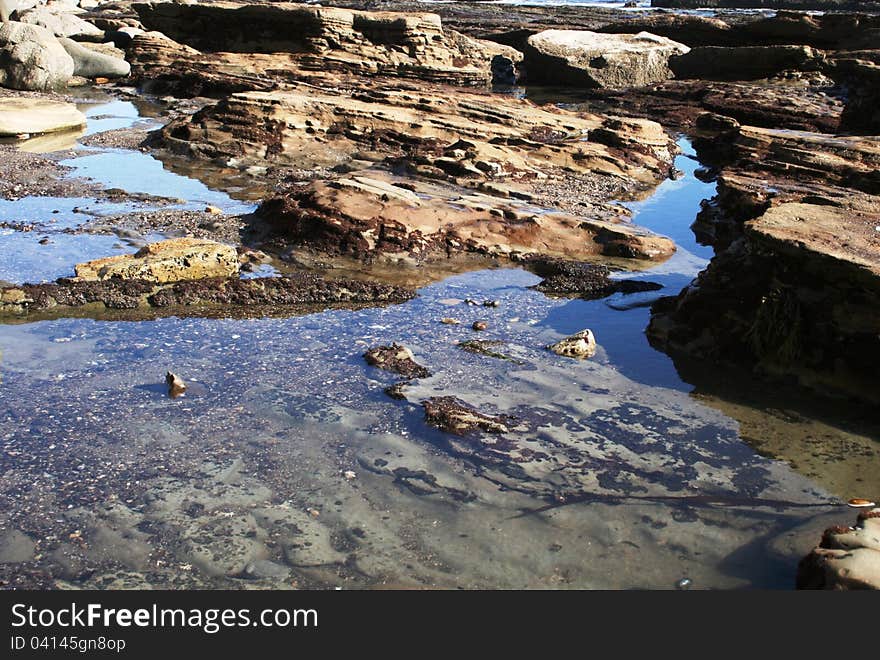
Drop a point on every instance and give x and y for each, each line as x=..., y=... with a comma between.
x=490, y=303
x=213, y=210
x=683, y=584
x=480, y=325
x=450, y=321
x=580, y=345
x=349, y=475
x=176, y=386
x=858, y=503
x=397, y=359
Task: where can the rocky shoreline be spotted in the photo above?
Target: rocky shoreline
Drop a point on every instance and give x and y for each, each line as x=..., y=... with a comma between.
x=386, y=136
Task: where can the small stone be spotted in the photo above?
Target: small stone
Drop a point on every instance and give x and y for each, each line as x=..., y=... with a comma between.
x=683, y=584
x=176, y=386
x=480, y=325
x=314, y=513
x=859, y=503
x=450, y=321
x=580, y=345
x=213, y=210
x=490, y=303
x=349, y=475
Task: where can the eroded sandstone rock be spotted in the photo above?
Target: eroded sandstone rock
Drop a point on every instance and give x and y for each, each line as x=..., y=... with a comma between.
x=172, y=260
x=374, y=218
x=410, y=45
x=445, y=132
x=794, y=289
x=846, y=558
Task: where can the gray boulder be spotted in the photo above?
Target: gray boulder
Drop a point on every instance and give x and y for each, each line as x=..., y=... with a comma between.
x=90, y=63
x=6, y=9
x=592, y=59
x=60, y=20
x=32, y=59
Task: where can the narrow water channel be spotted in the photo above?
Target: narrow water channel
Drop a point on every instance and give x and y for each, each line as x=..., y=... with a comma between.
x=286, y=465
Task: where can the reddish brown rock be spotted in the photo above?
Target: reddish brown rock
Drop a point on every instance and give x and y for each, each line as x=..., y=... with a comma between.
x=370, y=218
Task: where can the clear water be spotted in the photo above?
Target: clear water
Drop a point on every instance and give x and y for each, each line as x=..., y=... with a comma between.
x=285, y=465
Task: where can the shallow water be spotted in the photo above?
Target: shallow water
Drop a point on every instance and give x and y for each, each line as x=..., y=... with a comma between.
x=285, y=464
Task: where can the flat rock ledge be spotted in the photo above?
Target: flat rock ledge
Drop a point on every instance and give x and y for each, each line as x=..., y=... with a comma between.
x=32, y=116
x=67, y=296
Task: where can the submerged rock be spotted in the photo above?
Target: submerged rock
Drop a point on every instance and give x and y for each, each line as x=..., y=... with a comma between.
x=847, y=558
x=19, y=116
x=396, y=359
x=176, y=386
x=580, y=345
x=172, y=260
x=587, y=280
x=592, y=59
x=454, y=416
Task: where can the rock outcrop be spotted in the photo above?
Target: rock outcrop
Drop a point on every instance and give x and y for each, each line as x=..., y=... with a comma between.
x=590, y=59
x=32, y=59
x=368, y=218
x=800, y=5
x=847, y=558
x=31, y=116
x=862, y=80
x=794, y=289
x=411, y=45
x=461, y=134
x=744, y=62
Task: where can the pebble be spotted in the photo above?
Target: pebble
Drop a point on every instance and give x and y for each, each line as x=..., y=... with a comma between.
x=450, y=321
x=683, y=584
x=480, y=325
